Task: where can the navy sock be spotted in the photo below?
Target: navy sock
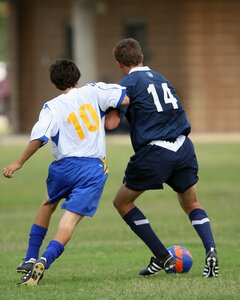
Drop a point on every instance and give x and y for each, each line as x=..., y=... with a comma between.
x=36, y=236
x=201, y=223
x=52, y=252
x=140, y=225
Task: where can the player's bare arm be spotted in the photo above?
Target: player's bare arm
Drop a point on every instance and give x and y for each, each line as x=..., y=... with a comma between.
x=113, y=119
x=31, y=148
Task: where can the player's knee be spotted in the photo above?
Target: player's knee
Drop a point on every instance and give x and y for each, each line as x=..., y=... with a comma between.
x=115, y=203
x=48, y=208
x=188, y=207
x=119, y=205
x=193, y=206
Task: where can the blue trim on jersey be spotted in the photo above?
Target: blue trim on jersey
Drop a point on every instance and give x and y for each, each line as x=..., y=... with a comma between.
x=55, y=138
x=90, y=84
x=44, y=140
x=102, y=113
x=120, y=101
x=46, y=106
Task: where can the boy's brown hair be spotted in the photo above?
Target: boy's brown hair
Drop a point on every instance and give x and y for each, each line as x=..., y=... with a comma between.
x=64, y=74
x=128, y=52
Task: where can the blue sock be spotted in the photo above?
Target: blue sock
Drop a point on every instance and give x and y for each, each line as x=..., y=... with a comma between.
x=201, y=223
x=52, y=252
x=36, y=236
x=140, y=225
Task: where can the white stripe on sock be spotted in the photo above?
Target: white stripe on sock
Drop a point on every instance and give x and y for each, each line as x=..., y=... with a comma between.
x=141, y=222
x=200, y=222
x=43, y=259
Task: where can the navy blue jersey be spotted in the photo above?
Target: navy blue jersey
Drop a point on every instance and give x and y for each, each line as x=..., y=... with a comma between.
x=155, y=111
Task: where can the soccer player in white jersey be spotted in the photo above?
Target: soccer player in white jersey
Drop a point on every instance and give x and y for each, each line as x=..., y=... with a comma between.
x=74, y=121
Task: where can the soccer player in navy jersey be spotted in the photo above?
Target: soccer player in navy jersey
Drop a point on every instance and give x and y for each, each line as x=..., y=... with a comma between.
x=74, y=122
x=159, y=132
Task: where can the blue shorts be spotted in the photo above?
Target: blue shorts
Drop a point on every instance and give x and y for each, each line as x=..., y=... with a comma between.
x=152, y=166
x=80, y=180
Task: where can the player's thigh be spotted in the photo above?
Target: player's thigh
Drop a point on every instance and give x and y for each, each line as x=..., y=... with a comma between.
x=66, y=226
x=69, y=220
x=185, y=173
x=125, y=195
x=149, y=168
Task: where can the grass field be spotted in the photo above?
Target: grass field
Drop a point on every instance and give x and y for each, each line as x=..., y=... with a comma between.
x=103, y=258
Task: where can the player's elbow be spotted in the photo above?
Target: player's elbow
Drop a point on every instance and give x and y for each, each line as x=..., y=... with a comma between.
x=112, y=120
x=111, y=124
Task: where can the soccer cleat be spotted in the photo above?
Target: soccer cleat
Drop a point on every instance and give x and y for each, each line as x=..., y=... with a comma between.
x=211, y=264
x=26, y=266
x=156, y=265
x=33, y=277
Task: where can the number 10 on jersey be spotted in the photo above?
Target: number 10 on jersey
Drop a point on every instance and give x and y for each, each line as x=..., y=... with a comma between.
x=91, y=126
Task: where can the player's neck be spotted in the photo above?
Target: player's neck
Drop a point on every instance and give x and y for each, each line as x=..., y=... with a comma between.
x=137, y=66
x=69, y=89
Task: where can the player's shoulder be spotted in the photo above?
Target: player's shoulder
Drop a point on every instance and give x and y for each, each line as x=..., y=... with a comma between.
x=102, y=85
x=156, y=75
x=50, y=104
x=141, y=73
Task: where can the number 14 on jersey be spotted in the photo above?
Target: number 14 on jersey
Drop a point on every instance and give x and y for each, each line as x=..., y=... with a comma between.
x=167, y=96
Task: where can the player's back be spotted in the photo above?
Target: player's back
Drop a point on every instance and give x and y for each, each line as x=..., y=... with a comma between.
x=155, y=111
x=79, y=125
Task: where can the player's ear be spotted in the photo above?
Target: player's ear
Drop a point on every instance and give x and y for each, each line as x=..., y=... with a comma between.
x=120, y=65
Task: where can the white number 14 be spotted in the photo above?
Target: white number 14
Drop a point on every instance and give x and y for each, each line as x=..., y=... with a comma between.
x=167, y=96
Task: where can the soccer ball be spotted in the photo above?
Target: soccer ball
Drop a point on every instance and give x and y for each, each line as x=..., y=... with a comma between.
x=183, y=259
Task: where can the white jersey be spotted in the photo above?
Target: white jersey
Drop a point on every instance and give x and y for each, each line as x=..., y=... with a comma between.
x=75, y=121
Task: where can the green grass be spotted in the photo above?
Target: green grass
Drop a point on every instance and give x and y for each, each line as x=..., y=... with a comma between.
x=103, y=258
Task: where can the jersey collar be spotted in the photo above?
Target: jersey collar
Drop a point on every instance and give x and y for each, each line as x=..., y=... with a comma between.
x=135, y=69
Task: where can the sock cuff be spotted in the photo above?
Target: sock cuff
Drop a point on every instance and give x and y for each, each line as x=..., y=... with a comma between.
x=197, y=212
x=59, y=246
x=135, y=214
x=38, y=229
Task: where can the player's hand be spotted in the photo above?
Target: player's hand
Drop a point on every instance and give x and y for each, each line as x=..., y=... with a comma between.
x=10, y=169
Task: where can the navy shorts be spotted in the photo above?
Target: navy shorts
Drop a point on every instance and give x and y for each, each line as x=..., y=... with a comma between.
x=80, y=180
x=152, y=166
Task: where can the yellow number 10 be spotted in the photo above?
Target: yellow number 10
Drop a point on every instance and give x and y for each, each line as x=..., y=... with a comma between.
x=72, y=118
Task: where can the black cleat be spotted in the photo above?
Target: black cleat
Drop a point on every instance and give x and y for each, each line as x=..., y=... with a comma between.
x=211, y=264
x=26, y=266
x=156, y=265
x=33, y=277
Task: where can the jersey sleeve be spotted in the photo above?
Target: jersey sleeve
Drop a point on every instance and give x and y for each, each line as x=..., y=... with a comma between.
x=110, y=95
x=45, y=126
x=128, y=84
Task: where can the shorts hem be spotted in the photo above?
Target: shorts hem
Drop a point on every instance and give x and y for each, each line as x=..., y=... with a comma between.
x=184, y=190
x=135, y=188
x=78, y=212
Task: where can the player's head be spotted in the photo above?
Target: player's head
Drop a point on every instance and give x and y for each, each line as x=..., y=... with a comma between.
x=128, y=52
x=64, y=74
